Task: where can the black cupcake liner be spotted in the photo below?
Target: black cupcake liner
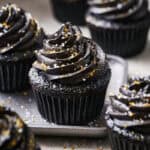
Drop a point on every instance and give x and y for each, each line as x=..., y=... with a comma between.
x=69, y=109
x=125, y=42
x=119, y=142
x=73, y=12
x=14, y=75
x=38, y=147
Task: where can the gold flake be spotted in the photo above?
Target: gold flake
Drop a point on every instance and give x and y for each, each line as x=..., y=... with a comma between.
x=19, y=123
x=44, y=66
x=5, y=132
x=136, y=82
x=132, y=104
x=131, y=114
x=92, y=73
x=5, y=25
x=65, y=29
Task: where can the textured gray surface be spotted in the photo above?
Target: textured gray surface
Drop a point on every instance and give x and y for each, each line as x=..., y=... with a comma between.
x=24, y=105
x=137, y=65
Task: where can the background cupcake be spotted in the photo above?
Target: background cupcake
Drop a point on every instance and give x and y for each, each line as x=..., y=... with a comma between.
x=119, y=27
x=70, y=10
x=14, y=134
x=20, y=35
x=128, y=118
x=70, y=78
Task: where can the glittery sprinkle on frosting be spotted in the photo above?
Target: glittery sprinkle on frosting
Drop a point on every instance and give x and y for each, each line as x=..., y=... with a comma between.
x=130, y=110
x=70, y=58
x=19, y=32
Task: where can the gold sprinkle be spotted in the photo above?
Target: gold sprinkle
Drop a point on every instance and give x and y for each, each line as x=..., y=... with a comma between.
x=136, y=82
x=5, y=132
x=131, y=114
x=44, y=66
x=65, y=29
x=5, y=25
x=132, y=104
x=19, y=123
x=91, y=74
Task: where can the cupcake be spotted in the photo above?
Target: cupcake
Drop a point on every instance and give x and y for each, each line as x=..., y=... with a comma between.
x=20, y=35
x=14, y=133
x=128, y=119
x=70, y=10
x=120, y=27
x=70, y=77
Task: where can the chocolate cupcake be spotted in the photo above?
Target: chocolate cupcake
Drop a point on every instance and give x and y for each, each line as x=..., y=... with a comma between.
x=70, y=10
x=20, y=35
x=128, y=119
x=120, y=27
x=70, y=78
x=14, y=133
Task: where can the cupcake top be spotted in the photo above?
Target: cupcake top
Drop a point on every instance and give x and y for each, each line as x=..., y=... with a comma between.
x=19, y=32
x=70, y=58
x=112, y=12
x=14, y=134
x=130, y=111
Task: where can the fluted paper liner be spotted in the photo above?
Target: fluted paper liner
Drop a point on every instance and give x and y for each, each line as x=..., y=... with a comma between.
x=119, y=142
x=69, y=109
x=14, y=75
x=124, y=41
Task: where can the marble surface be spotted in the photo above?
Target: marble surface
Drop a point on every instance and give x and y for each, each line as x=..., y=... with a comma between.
x=139, y=65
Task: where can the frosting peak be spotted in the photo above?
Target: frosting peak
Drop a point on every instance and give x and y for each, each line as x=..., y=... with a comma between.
x=18, y=30
x=68, y=56
x=130, y=109
x=65, y=37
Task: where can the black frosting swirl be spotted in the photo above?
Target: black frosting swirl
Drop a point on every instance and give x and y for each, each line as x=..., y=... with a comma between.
x=70, y=58
x=19, y=32
x=14, y=134
x=130, y=109
x=118, y=11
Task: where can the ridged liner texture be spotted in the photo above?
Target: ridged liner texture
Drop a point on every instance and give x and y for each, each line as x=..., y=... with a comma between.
x=73, y=107
x=119, y=142
x=70, y=109
x=14, y=74
x=70, y=11
x=123, y=41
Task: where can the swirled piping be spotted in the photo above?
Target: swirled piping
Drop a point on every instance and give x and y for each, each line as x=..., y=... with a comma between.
x=122, y=11
x=130, y=109
x=70, y=58
x=19, y=32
